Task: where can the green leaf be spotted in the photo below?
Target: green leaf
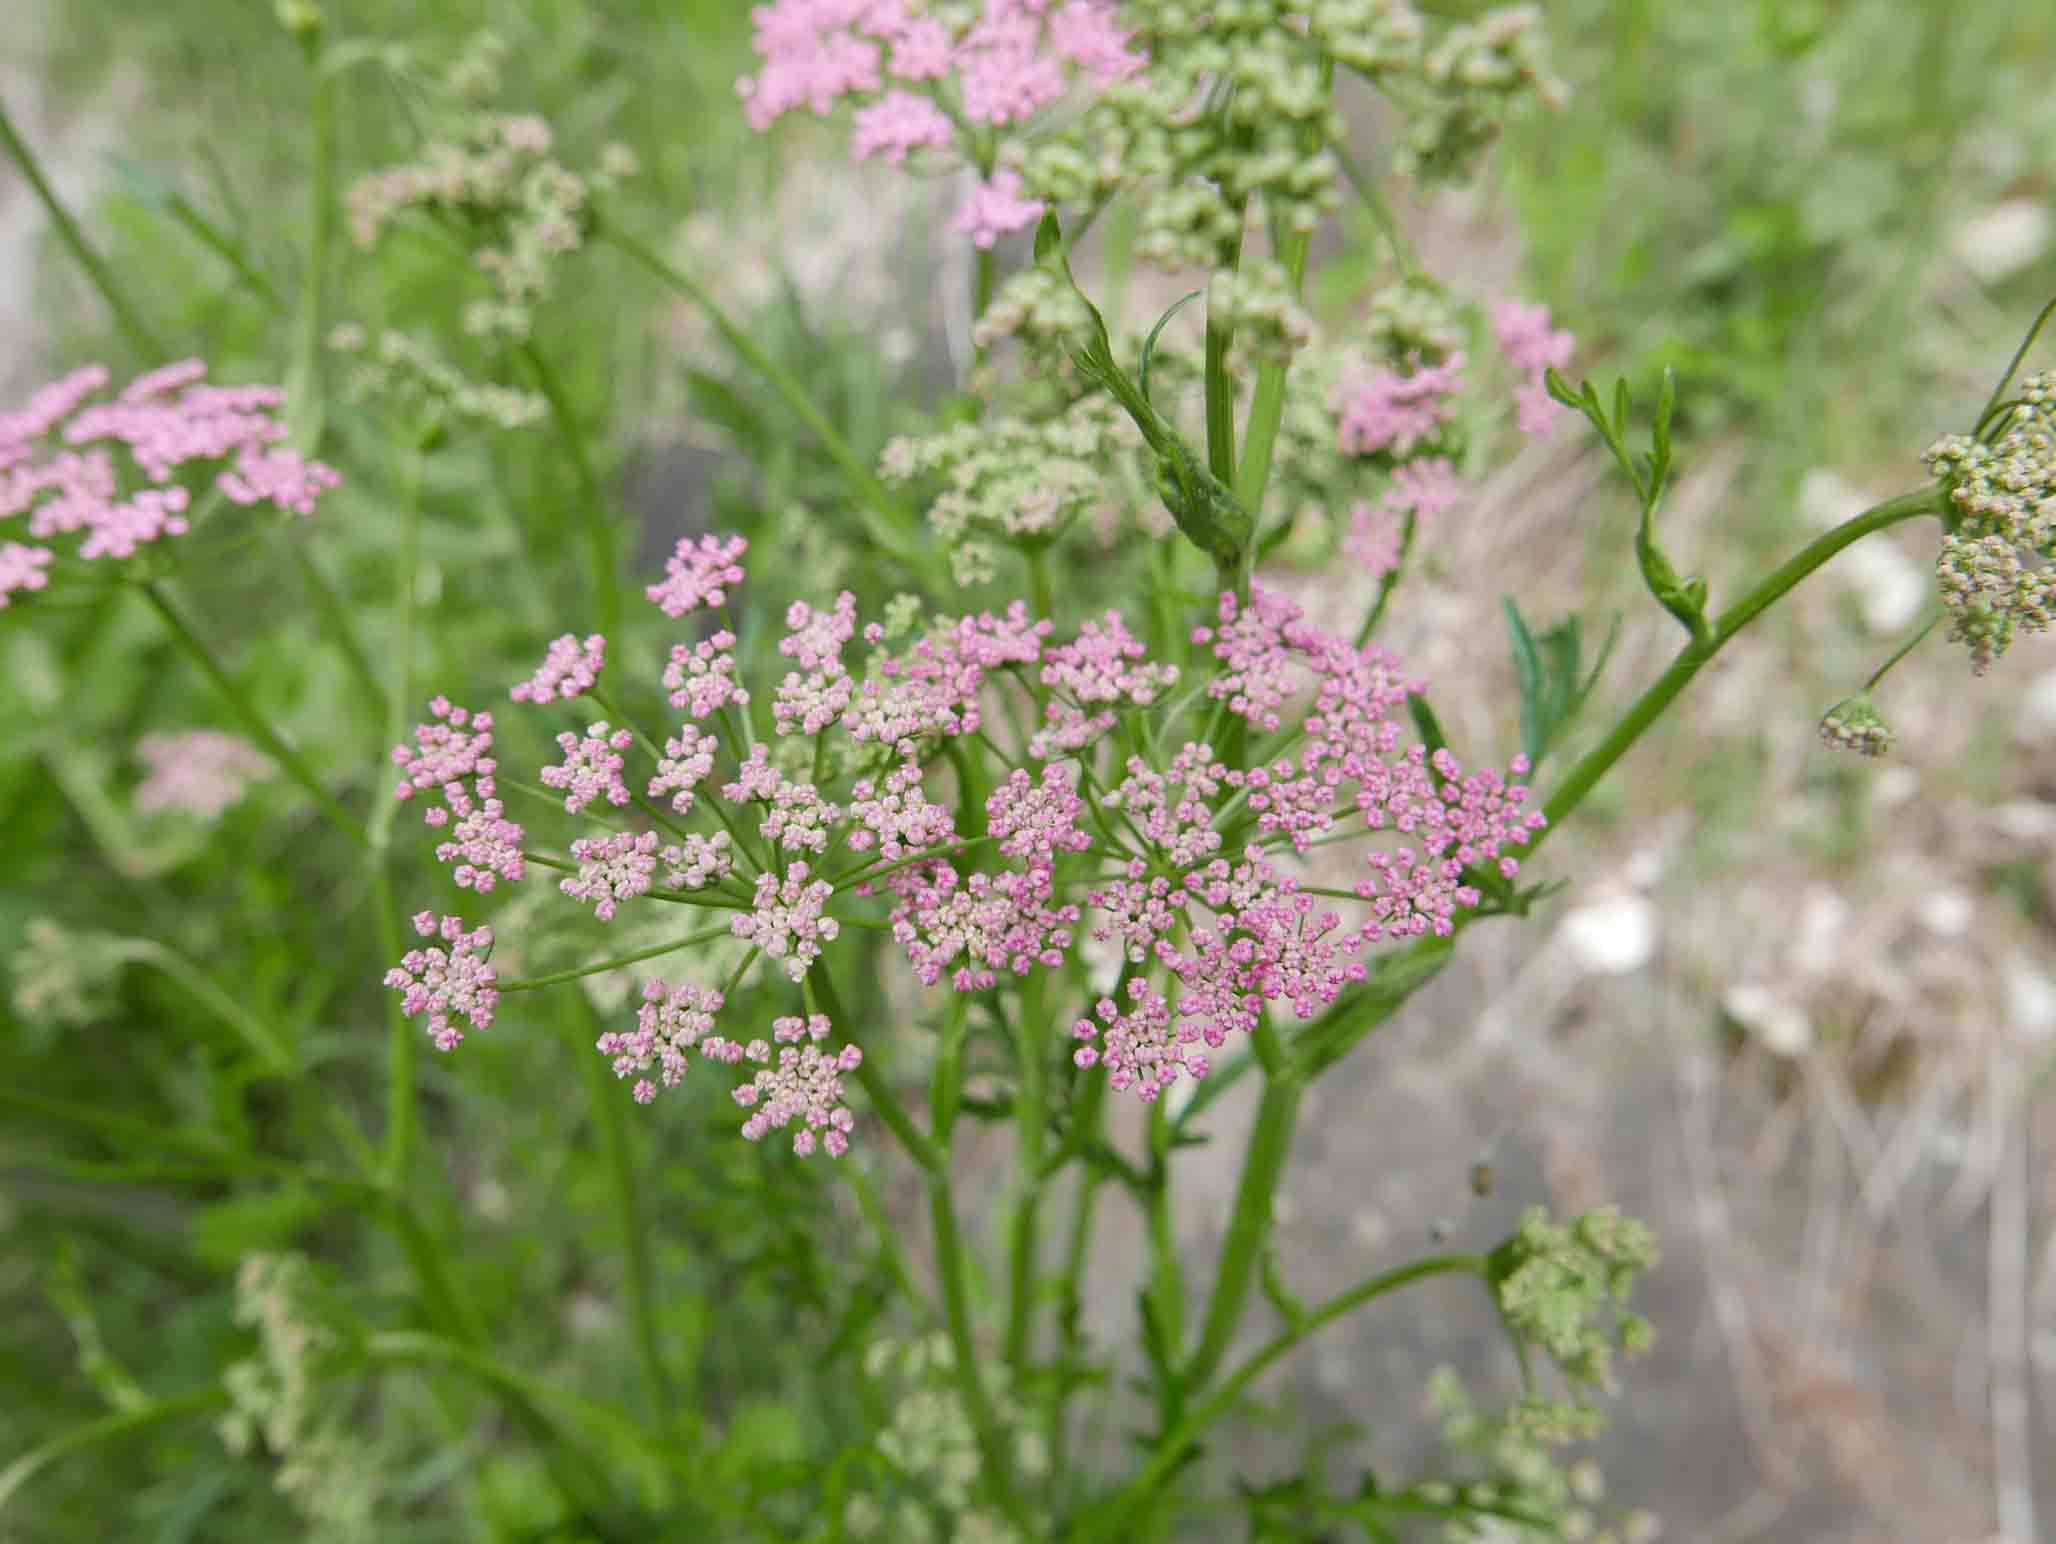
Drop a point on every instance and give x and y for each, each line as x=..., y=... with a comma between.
x=225, y=1231
x=1049, y=238
x=1149, y=343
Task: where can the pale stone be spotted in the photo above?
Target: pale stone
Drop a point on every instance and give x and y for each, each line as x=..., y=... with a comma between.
x=1611, y=936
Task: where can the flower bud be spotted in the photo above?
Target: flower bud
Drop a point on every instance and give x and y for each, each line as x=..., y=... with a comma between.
x=302, y=19
x=1855, y=724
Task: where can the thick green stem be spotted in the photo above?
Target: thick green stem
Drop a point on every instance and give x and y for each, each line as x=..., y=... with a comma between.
x=1693, y=657
x=1220, y=391
x=1087, y=1115
x=602, y=558
x=1263, y=1165
x=246, y=710
x=1166, y=1286
x=1108, y=1520
x=954, y=1269
x=891, y=527
x=1267, y=407
x=1031, y=1062
x=403, y=1040
x=126, y=317
x=871, y=1078
x=308, y=398
x=610, y=1115
x=1332, y=1036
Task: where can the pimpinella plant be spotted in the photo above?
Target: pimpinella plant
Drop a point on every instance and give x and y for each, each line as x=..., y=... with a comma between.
x=1066, y=824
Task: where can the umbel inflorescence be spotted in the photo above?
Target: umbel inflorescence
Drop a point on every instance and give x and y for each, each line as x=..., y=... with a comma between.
x=99, y=480
x=1992, y=570
x=1117, y=808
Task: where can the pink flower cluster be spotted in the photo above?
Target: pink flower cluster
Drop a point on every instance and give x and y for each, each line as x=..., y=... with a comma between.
x=1189, y=862
x=448, y=984
x=920, y=78
x=59, y=464
x=201, y=771
x=450, y=749
x=1420, y=490
x=698, y=574
x=568, y=669
x=1382, y=410
x=671, y=1022
x=799, y=1082
x=1533, y=347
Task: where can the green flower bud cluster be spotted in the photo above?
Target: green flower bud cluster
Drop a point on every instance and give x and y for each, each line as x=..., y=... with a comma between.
x=493, y=178
x=1992, y=570
x=929, y=1440
x=1237, y=106
x=1415, y=315
x=329, y=1474
x=1475, y=76
x=1555, y=1281
x=1854, y=724
x=1009, y=480
x=405, y=371
x=64, y=978
x=1523, y=1479
x=1258, y=304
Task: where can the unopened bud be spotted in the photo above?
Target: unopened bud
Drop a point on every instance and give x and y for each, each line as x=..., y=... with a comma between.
x=1854, y=724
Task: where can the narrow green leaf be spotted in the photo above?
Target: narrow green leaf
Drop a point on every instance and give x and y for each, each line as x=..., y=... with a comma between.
x=1528, y=668
x=1049, y=238
x=1149, y=343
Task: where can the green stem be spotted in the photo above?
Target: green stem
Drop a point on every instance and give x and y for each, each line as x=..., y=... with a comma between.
x=1267, y=407
x=403, y=1040
x=1693, y=657
x=329, y=606
x=1031, y=1061
x=603, y=560
x=1263, y=1165
x=1325, y=1042
x=1166, y=1286
x=109, y=1428
x=952, y=1266
x=126, y=317
x=895, y=532
x=610, y=1114
x=1381, y=212
x=1904, y=649
x=211, y=237
x=1087, y=1115
x=274, y=1052
x=1390, y=582
x=1041, y=601
x=1170, y=1452
x=2026, y=343
x=557, y=978
x=254, y=721
x=308, y=400
x=871, y=1078
x=1220, y=391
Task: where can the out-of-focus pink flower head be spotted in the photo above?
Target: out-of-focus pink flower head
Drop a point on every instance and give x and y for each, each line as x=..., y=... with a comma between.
x=118, y=474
